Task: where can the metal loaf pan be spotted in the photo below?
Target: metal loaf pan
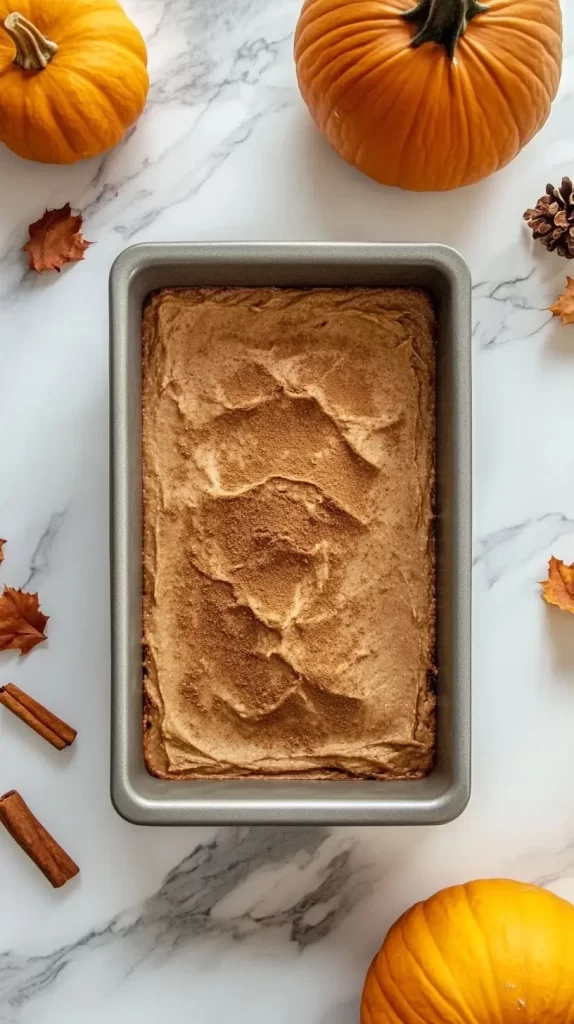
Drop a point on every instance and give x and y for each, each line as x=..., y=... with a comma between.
x=143, y=799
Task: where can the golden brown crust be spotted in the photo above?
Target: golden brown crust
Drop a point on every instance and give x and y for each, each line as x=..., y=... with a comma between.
x=288, y=466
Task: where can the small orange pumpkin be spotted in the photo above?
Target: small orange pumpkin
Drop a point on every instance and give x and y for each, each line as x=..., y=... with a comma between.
x=73, y=77
x=433, y=97
x=489, y=952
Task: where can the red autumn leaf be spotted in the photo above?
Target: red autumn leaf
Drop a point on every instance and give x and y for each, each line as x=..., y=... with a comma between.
x=2, y=543
x=558, y=589
x=55, y=239
x=22, y=623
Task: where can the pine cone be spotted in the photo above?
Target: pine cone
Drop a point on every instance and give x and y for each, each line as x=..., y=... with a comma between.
x=553, y=219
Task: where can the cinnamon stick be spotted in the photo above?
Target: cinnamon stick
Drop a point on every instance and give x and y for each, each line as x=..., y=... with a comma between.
x=42, y=721
x=32, y=837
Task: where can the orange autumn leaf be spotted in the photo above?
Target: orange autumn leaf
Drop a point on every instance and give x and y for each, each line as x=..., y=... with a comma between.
x=564, y=305
x=55, y=239
x=558, y=589
x=22, y=623
x=2, y=543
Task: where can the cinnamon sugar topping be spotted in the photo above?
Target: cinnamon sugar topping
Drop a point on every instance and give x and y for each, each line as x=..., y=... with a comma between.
x=288, y=443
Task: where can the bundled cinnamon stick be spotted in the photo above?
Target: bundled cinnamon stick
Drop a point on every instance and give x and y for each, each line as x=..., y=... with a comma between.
x=42, y=721
x=33, y=838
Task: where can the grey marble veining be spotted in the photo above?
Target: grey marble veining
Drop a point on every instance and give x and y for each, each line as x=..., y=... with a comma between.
x=40, y=560
x=213, y=55
x=513, y=308
x=510, y=547
x=214, y=892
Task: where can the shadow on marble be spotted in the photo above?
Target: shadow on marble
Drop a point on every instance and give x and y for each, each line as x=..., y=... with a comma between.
x=559, y=346
x=560, y=631
x=346, y=1013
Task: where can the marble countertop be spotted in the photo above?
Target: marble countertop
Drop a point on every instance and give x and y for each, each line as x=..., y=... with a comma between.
x=267, y=924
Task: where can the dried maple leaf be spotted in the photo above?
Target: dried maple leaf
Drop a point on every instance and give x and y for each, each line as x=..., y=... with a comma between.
x=55, y=239
x=22, y=623
x=558, y=589
x=564, y=305
x=2, y=543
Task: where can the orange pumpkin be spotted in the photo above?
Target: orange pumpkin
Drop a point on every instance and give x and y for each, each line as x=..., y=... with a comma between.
x=73, y=77
x=433, y=97
x=490, y=952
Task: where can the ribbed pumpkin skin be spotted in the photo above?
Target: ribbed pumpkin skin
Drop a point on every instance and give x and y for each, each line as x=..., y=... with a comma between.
x=489, y=952
x=413, y=118
x=92, y=90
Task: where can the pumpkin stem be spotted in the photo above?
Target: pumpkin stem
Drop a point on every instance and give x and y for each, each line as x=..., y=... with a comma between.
x=442, y=21
x=33, y=51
